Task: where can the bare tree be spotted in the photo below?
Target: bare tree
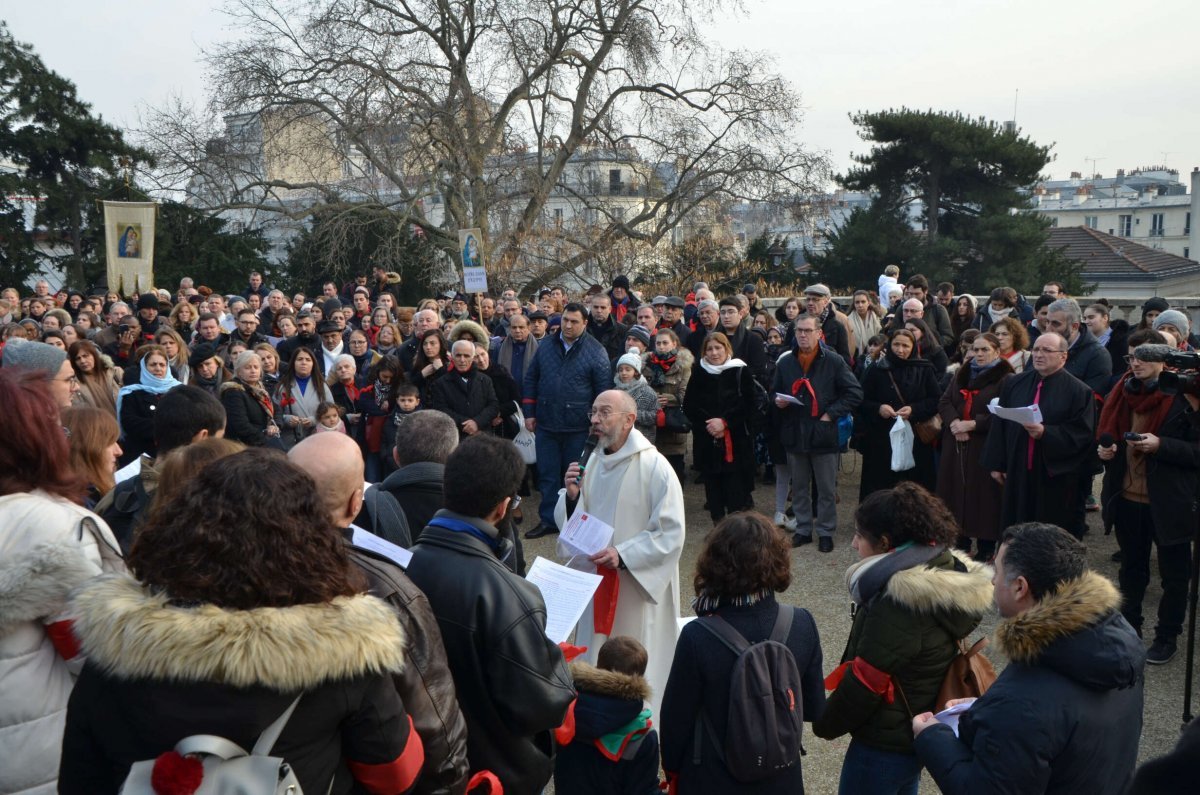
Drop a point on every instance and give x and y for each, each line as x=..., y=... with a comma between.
x=477, y=112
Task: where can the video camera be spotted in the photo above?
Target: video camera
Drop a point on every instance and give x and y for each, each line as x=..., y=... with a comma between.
x=1185, y=378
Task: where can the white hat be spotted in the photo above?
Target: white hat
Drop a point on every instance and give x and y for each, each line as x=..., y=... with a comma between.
x=631, y=359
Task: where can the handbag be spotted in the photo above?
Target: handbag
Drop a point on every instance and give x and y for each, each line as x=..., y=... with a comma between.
x=928, y=431
x=674, y=420
x=969, y=676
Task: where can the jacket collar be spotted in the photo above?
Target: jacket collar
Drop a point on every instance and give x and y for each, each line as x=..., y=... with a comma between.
x=134, y=633
x=419, y=473
x=609, y=683
x=946, y=584
x=1075, y=606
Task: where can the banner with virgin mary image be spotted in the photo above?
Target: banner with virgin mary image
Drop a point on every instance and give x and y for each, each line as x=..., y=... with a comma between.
x=129, y=245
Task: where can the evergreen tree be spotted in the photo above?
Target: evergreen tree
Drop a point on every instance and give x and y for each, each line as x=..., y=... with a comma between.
x=867, y=242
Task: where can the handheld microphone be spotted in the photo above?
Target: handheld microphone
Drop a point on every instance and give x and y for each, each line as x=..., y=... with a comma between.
x=589, y=447
x=1106, y=440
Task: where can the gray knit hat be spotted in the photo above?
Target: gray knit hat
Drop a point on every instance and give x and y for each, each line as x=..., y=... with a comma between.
x=1152, y=352
x=1173, y=317
x=25, y=356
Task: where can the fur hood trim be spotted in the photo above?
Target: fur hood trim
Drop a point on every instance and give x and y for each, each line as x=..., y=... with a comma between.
x=37, y=583
x=134, y=634
x=684, y=360
x=1075, y=606
x=932, y=590
x=469, y=328
x=229, y=386
x=597, y=681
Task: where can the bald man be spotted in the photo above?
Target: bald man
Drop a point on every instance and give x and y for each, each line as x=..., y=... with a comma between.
x=425, y=686
x=648, y=522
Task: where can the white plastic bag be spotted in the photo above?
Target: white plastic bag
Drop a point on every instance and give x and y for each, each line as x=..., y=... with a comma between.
x=902, y=445
x=524, y=440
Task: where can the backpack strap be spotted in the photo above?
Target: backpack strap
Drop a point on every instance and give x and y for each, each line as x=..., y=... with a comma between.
x=210, y=745
x=783, y=624
x=730, y=638
x=266, y=740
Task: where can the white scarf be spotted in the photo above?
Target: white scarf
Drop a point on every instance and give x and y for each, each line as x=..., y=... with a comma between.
x=330, y=356
x=716, y=369
x=863, y=329
x=998, y=315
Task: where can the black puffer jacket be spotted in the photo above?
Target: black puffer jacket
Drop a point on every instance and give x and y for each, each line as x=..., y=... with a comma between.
x=1064, y=717
x=513, y=685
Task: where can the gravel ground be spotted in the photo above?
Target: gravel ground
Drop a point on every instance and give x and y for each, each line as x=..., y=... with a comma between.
x=818, y=585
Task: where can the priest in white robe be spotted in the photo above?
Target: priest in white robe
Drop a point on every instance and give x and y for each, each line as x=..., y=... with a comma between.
x=628, y=484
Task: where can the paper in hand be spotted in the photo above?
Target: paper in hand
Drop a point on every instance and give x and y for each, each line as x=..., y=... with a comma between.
x=1025, y=415
x=586, y=535
x=950, y=715
x=786, y=398
x=566, y=592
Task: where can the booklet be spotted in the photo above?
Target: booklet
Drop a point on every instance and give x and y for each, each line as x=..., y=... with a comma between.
x=950, y=715
x=566, y=593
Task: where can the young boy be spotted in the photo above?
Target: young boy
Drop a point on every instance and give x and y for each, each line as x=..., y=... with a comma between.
x=614, y=750
x=408, y=401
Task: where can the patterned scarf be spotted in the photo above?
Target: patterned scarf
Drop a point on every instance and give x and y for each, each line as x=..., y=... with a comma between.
x=657, y=367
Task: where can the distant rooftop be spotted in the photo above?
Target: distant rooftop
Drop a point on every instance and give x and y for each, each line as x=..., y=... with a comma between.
x=1109, y=257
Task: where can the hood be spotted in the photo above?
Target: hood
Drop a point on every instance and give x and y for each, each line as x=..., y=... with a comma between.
x=684, y=360
x=469, y=328
x=36, y=583
x=393, y=277
x=948, y=583
x=133, y=634
x=1078, y=632
x=634, y=445
x=608, y=703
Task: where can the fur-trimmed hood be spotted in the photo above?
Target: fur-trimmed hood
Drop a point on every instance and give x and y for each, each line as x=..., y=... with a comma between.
x=684, y=361
x=613, y=684
x=469, y=328
x=36, y=583
x=1079, y=632
x=933, y=589
x=133, y=633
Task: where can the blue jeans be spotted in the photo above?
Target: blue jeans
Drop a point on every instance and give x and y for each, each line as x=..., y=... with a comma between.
x=555, y=452
x=869, y=771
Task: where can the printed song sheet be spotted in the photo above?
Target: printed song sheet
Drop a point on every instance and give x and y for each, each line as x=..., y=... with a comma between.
x=566, y=592
x=1026, y=415
x=586, y=535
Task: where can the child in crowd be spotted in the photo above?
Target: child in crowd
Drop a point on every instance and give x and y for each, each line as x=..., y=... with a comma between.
x=329, y=419
x=628, y=378
x=613, y=750
x=408, y=402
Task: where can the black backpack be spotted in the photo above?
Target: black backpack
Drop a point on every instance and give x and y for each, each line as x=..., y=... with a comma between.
x=766, y=712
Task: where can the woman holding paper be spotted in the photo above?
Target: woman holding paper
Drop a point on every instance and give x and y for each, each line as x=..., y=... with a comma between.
x=903, y=385
x=915, y=599
x=964, y=485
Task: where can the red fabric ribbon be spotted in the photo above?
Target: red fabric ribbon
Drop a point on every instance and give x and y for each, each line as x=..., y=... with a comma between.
x=565, y=734
x=728, y=437
x=1037, y=398
x=804, y=383
x=969, y=402
x=604, y=603
x=569, y=651
x=488, y=781
x=878, y=682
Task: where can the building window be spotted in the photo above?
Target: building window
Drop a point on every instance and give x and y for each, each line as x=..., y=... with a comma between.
x=1125, y=225
x=1091, y=221
x=1187, y=224
x=1156, y=224
x=558, y=218
x=614, y=181
x=1185, y=252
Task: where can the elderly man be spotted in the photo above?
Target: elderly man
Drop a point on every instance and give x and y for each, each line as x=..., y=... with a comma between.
x=827, y=391
x=1065, y=715
x=818, y=302
x=423, y=443
x=332, y=345
x=47, y=361
x=516, y=350
x=568, y=371
x=465, y=394
x=707, y=319
x=640, y=594
x=423, y=321
x=1086, y=358
x=425, y=685
x=1039, y=463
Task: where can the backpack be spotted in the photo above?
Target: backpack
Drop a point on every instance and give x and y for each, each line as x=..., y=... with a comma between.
x=227, y=768
x=969, y=676
x=125, y=513
x=766, y=713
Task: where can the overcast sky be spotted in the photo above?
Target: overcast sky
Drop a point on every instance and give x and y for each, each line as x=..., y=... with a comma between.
x=1115, y=81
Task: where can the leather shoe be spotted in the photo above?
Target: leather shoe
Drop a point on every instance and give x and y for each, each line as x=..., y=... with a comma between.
x=799, y=540
x=541, y=531
x=825, y=544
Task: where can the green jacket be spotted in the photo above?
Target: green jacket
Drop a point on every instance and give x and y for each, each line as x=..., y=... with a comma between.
x=909, y=631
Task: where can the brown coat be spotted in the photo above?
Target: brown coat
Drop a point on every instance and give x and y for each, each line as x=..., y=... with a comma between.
x=963, y=483
x=674, y=387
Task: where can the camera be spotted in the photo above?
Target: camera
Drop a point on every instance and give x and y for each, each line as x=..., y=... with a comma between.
x=1185, y=379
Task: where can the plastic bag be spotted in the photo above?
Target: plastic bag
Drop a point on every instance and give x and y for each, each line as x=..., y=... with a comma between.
x=525, y=440
x=902, y=445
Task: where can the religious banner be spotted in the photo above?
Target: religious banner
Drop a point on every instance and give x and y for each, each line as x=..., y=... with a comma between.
x=129, y=245
x=470, y=243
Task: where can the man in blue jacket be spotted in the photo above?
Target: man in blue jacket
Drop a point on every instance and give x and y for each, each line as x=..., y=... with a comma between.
x=568, y=371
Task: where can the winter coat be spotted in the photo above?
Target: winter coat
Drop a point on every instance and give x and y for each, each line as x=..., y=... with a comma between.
x=728, y=395
x=158, y=672
x=610, y=334
x=418, y=489
x=750, y=348
x=964, y=485
x=837, y=394
x=246, y=420
x=425, y=685
x=1090, y=363
x=908, y=631
x=292, y=402
x=48, y=547
x=508, y=399
x=647, y=404
x=1172, y=476
x=1117, y=347
x=613, y=751
x=463, y=397
x=700, y=679
x=918, y=384
x=512, y=683
x=1064, y=716
x=137, y=424
x=561, y=384
x=673, y=383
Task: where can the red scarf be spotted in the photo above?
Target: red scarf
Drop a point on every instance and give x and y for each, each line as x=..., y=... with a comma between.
x=661, y=363
x=1117, y=415
x=604, y=603
x=969, y=402
x=804, y=383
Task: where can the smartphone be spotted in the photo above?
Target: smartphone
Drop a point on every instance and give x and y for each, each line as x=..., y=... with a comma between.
x=1130, y=436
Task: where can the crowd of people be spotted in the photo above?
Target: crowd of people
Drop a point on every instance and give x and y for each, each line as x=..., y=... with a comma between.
x=187, y=479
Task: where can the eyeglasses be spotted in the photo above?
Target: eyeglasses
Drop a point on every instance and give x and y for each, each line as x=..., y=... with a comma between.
x=806, y=331
x=603, y=413
x=1049, y=350
x=72, y=380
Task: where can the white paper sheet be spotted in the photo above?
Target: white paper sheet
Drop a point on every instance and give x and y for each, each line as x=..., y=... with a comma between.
x=787, y=398
x=369, y=541
x=585, y=534
x=566, y=593
x=950, y=715
x=1025, y=415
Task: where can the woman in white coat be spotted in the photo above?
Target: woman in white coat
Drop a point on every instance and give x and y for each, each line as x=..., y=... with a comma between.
x=49, y=544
